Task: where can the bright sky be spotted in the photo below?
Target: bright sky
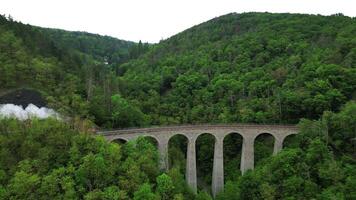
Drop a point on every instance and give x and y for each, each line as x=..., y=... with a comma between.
x=152, y=20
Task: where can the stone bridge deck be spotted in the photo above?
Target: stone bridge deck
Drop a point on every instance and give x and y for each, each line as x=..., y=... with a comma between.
x=216, y=130
x=248, y=132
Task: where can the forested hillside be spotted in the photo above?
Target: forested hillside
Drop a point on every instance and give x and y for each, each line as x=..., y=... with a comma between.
x=237, y=68
x=68, y=68
x=103, y=48
x=251, y=67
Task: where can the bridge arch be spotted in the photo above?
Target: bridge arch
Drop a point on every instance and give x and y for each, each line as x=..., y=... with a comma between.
x=263, y=146
x=178, y=134
x=177, y=149
x=265, y=132
x=288, y=140
x=120, y=141
x=232, y=133
x=232, y=150
x=205, y=146
x=119, y=138
x=215, y=136
x=152, y=139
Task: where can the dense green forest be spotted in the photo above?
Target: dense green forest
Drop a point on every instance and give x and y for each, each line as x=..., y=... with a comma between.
x=253, y=67
x=237, y=68
x=73, y=70
x=46, y=159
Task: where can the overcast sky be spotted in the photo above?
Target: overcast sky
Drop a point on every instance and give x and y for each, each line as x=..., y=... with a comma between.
x=152, y=20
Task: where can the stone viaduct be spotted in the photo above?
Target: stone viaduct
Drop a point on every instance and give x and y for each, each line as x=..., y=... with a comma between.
x=192, y=132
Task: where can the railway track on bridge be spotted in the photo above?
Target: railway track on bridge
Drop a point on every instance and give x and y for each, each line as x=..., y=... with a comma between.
x=194, y=127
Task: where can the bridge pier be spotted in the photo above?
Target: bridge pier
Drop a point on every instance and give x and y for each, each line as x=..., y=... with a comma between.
x=218, y=167
x=247, y=155
x=191, y=168
x=278, y=145
x=163, y=151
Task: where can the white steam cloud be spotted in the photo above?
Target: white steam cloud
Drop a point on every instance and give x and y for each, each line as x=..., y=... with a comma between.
x=15, y=111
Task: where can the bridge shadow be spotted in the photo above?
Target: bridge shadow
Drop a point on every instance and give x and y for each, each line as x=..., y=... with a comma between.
x=232, y=156
x=205, y=160
x=263, y=147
